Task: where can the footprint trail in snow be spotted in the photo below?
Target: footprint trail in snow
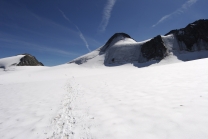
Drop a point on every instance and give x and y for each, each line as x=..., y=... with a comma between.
x=72, y=122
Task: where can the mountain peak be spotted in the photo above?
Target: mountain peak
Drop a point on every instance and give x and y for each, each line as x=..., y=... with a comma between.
x=29, y=60
x=115, y=38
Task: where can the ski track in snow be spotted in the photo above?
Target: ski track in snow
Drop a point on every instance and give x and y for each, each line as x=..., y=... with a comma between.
x=71, y=123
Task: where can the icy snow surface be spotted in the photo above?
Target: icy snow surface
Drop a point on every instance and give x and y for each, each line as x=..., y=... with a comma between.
x=96, y=102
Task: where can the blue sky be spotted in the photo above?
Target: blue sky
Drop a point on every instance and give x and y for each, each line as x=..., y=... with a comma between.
x=56, y=32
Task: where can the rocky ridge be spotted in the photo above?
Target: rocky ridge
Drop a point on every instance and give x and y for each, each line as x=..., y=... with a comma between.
x=121, y=48
x=29, y=60
x=194, y=36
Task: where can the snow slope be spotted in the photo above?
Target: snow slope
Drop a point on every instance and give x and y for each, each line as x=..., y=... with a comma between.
x=10, y=61
x=97, y=102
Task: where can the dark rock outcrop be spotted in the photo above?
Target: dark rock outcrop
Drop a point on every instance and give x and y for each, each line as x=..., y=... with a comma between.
x=106, y=46
x=153, y=49
x=194, y=33
x=29, y=60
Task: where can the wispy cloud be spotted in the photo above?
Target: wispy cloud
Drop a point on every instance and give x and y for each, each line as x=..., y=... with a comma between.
x=37, y=47
x=179, y=11
x=106, y=15
x=79, y=31
x=65, y=16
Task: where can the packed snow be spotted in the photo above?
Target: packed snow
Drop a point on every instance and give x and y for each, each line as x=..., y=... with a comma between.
x=166, y=100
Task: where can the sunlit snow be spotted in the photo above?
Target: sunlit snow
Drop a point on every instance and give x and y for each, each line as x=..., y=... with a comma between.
x=164, y=100
x=169, y=101
x=10, y=61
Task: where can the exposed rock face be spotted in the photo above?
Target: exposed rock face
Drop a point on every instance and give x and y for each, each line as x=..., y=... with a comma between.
x=194, y=36
x=29, y=60
x=153, y=49
x=112, y=39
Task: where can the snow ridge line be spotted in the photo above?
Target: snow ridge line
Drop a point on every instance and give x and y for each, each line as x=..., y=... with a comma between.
x=69, y=118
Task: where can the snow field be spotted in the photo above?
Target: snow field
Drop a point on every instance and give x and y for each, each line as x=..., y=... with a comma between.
x=28, y=103
x=70, y=101
x=156, y=102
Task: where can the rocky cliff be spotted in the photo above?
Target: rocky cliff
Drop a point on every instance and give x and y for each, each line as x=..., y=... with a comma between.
x=193, y=37
x=153, y=49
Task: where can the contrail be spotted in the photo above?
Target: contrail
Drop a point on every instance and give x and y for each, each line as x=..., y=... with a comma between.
x=184, y=7
x=79, y=31
x=106, y=15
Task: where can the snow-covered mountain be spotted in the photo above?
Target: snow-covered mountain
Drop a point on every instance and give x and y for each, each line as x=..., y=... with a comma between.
x=19, y=60
x=185, y=44
x=95, y=101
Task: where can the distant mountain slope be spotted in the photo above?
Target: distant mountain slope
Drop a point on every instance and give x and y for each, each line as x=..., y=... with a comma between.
x=184, y=44
x=19, y=60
